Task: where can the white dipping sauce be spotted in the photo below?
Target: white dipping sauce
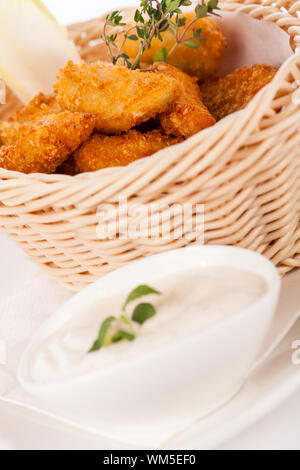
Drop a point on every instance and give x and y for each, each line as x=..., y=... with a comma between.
x=190, y=301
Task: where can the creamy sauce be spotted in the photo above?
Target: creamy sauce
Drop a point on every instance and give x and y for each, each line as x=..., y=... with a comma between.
x=190, y=302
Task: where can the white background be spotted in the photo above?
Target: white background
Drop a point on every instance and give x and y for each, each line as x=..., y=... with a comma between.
x=69, y=11
x=278, y=430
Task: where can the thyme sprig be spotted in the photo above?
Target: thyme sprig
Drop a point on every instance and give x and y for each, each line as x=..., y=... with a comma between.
x=140, y=315
x=151, y=19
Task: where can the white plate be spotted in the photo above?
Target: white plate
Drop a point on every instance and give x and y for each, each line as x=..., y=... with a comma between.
x=270, y=386
x=274, y=381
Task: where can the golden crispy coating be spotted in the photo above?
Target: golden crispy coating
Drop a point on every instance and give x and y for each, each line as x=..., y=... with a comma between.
x=120, y=98
x=187, y=115
x=102, y=151
x=201, y=62
x=47, y=143
x=40, y=106
x=225, y=95
x=10, y=132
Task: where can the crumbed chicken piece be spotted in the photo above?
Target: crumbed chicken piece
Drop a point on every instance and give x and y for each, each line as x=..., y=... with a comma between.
x=187, y=115
x=120, y=98
x=47, y=143
x=10, y=132
x=40, y=106
x=102, y=151
x=225, y=95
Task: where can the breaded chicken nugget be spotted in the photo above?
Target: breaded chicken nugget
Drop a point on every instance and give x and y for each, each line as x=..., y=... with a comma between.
x=47, y=143
x=201, y=62
x=40, y=106
x=102, y=151
x=120, y=98
x=225, y=95
x=187, y=115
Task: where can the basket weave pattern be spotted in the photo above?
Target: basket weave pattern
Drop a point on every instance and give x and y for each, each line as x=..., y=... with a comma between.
x=245, y=170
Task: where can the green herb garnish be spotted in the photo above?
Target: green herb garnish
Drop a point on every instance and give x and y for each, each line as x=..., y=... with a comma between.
x=141, y=313
x=137, y=293
x=121, y=334
x=128, y=323
x=100, y=341
x=153, y=18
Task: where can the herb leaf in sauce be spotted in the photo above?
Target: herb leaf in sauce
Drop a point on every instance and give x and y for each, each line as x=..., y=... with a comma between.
x=128, y=323
x=99, y=343
x=121, y=334
x=138, y=292
x=143, y=312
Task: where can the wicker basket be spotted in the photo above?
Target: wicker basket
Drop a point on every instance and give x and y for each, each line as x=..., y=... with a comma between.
x=245, y=169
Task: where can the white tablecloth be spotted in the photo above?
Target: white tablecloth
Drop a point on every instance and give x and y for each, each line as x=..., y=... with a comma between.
x=23, y=288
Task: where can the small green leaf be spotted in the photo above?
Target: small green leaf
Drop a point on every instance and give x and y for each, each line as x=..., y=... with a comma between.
x=133, y=37
x=127, y=323
x=172, y=5
x=197, y=33
x=111, y=38
x=141, y=32
x=138, y=18
x=161, y=55
x=191, y=44
x=159, y=37
x=139, y=292
x=121, y=334
x=181, y=22
x=201, y=11
x=143, y=312
x=102, y=334
x=212, y=5
x=115, y=18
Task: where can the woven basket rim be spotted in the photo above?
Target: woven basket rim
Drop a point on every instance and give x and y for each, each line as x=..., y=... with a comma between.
x=244, y=172
x=43, y=178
